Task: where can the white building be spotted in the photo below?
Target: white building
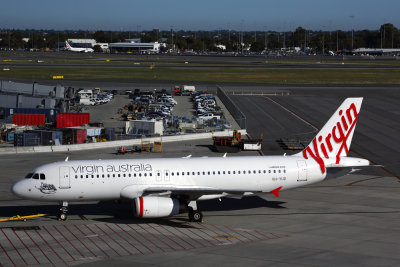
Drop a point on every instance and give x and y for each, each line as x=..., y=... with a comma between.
x=135, y=47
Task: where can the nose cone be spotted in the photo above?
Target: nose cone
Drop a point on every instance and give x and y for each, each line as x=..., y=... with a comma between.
x=19, y=189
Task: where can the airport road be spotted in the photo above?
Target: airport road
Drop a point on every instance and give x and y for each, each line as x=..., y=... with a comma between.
x=257, y=65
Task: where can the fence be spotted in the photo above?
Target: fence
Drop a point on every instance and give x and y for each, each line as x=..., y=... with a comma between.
x=236, y=113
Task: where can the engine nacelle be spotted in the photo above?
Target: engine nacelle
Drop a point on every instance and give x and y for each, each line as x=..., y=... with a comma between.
x=156, y=207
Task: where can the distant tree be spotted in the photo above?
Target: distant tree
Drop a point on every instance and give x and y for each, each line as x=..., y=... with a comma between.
x=257, y=46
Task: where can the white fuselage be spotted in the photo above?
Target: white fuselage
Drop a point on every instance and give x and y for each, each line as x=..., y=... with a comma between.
x=114, y=179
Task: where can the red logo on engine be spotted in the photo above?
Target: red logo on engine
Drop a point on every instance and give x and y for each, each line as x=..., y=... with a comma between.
x=339, y=134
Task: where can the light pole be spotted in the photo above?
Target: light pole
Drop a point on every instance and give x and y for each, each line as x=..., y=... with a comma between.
x=265, y=39
x=172, y=39
x=352, y=32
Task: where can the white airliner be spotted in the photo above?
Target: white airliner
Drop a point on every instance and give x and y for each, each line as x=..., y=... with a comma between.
x=78, y=49
x=167, y=186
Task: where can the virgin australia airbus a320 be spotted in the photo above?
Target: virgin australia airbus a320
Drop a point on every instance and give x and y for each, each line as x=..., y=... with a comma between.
x=167, y=186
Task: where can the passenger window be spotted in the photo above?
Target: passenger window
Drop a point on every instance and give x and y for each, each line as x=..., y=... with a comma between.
x=284, y=171
x=223, y=172
x=76, y=176
x=134, y=175
x=92, y=176
x=188, y=173
x=151, y=174
x=87, y=176
x=158, y=174
x=198, y=173
x=81, y=176
x=102, y=176
x=244, y=172
x=264, y=171
x=192, y=173
x=219, y=172
x=145, y=174
x=177, y=173
x=98, y=176
x=183, y=173
x=274, y=171
x=124, y=175
x=140, y=175
x=238, y=172
x=113, y=175
x=108, y=175
x=259, y=171
x=129, y=175
x=234, y=172
x=229, y=172
x=213, y=172
x=29, y=175
x=269, y=171
x=279, y=171
x=172, y=173
x=254, y=171
x=208, y=173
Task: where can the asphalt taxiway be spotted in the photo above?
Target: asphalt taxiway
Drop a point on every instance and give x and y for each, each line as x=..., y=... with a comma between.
x=352, y=220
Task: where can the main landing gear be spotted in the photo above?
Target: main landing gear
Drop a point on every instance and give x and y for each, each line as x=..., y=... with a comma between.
x=194, y=214
x=62, y=216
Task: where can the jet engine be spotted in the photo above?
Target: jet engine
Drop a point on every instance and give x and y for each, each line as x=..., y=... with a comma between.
x=156, y=207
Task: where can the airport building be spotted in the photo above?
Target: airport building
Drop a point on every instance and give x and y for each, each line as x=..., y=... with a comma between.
x=135, y=46
x=377, y=51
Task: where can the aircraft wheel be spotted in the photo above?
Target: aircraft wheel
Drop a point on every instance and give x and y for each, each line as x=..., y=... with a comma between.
x=62, y=217
x=195, y=216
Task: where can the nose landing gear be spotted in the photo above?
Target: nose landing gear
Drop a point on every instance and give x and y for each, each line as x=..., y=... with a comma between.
x=62, y=215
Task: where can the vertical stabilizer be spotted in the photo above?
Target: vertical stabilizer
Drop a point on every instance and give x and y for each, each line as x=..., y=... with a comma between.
x=334, y=139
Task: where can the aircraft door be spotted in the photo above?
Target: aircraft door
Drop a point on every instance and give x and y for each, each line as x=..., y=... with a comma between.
x=302, y=167
x=64, y=178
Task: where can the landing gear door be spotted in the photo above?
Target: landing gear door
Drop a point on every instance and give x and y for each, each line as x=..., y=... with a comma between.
x=64, y=178
x=302, y=167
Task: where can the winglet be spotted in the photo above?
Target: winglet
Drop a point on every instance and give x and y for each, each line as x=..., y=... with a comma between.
x=276, y=191
x=66, y=159
x=224, y=156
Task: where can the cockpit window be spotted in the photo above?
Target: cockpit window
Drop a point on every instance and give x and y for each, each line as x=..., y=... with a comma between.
x=42, y=176
x=29, y=175
x=35, y=176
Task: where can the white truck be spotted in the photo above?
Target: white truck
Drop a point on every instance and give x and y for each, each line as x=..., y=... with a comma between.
x=87, y=101
x=208, y=116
